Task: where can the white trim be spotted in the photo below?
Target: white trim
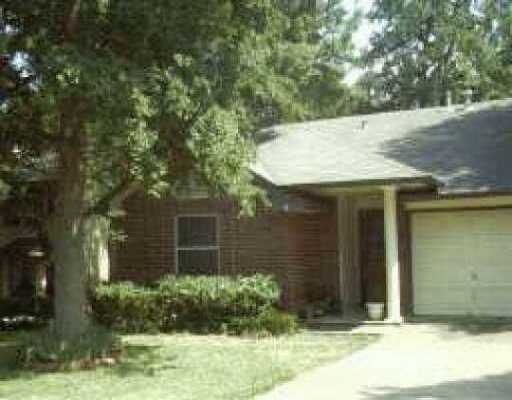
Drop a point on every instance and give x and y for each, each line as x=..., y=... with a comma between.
x=177, y=247
x=467, y=202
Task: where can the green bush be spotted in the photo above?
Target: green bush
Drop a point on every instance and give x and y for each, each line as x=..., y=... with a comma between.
x=43, y=348
x=191, y=303
x=204, y=303
x=269, y=322
x=127, y=308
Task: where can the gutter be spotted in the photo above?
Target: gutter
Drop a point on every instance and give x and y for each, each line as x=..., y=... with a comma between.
x=427, y=181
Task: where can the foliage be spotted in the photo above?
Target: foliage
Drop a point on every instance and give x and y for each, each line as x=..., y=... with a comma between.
x=105, y=98
x=127, y=307
x=314, y=61
x=269, y=322
x=41, y=349
x=191, y=303
x=206, y=302
x=427, y=53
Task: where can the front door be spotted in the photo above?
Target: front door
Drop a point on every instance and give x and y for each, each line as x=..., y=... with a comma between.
x=372, y=256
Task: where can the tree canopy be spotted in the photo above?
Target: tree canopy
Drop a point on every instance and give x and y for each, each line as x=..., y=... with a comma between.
x=428, y=52
x=104, y=97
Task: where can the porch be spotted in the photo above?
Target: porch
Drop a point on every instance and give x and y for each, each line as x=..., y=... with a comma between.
x=369, y=253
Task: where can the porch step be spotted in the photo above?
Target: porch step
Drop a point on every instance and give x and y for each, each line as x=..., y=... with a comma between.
x=330, y=326
x=341, y=324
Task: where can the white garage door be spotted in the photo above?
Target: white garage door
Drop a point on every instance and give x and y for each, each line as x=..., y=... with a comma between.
x=462, y=263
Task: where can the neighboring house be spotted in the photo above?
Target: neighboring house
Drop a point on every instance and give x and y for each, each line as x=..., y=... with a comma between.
x=413, y=208
x=25, y=268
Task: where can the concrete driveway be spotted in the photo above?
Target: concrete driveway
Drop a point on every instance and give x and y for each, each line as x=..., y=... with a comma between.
x=416, y=362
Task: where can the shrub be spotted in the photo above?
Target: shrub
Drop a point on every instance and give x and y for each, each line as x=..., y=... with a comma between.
x=192, y=303
x=126, y=307
x=43, y=350
x=204, y=303
x=270, y=321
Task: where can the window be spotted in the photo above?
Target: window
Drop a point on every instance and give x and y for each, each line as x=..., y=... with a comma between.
x=197, y=245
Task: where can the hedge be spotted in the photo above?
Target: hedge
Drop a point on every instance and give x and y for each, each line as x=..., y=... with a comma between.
x=126, y=307
x=191, y=303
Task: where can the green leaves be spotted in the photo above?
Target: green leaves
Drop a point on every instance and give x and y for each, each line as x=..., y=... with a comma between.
x=222, y=155
x=153, y=92
x=428, y=49
x=185, y=303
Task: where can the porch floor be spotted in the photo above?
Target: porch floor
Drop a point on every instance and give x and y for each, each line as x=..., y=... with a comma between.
x=348, y=320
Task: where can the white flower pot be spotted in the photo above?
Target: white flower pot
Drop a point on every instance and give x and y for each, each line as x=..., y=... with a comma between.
x=375, y=311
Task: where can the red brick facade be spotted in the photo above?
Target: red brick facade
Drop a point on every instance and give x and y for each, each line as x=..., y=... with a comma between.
x=299, y=249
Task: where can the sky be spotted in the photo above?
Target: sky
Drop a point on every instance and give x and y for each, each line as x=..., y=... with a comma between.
x=362, y=35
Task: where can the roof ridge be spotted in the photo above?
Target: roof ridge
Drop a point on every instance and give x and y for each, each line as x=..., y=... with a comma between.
x=454, y=107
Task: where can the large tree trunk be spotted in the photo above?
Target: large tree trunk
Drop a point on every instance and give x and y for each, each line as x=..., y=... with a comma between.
x=69, y=232
x=78, y=240
x=66, y=235
x=80, y=254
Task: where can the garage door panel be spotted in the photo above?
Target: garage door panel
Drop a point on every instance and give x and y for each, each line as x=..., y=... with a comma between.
x=440, y=295
x=462, y=263
x=428, y=275
x=493, y=274
x=441, y=310
x=442, y=257
x=443, y=222
x=442, y=260
x=492, y=223
x=493, y=240
x=493, y=301
x=448, y=300
x=497, y=255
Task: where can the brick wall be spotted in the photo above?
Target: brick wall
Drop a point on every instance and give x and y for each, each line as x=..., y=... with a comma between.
x=299, y=249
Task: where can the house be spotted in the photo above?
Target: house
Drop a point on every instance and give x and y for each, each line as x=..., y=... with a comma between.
x=413, y=208
x=26, y=272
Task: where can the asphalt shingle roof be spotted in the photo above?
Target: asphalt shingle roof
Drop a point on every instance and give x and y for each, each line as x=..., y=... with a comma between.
x=465, y=148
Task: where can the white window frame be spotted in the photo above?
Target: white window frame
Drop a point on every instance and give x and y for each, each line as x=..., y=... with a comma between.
x=177, y=247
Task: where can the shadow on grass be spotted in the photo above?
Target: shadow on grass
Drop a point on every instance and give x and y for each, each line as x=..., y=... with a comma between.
x=8, y=355
x=146, y=360
x=143, y=360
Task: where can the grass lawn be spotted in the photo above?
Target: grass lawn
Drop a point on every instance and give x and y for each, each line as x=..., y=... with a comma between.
x=187, y=367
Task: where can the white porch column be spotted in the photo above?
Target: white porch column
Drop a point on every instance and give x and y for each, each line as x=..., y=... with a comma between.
x=392, y=258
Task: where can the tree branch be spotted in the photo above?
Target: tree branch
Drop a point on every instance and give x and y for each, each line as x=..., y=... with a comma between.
x=71, y=20
x=114, y=198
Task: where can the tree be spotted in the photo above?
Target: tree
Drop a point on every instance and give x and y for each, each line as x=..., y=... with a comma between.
x=432, y=51
x=102, y=98
x=495, y=64
x=309, y=64
x=122, y=95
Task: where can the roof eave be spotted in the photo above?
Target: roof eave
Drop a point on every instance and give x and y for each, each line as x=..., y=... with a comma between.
x=427, y=181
